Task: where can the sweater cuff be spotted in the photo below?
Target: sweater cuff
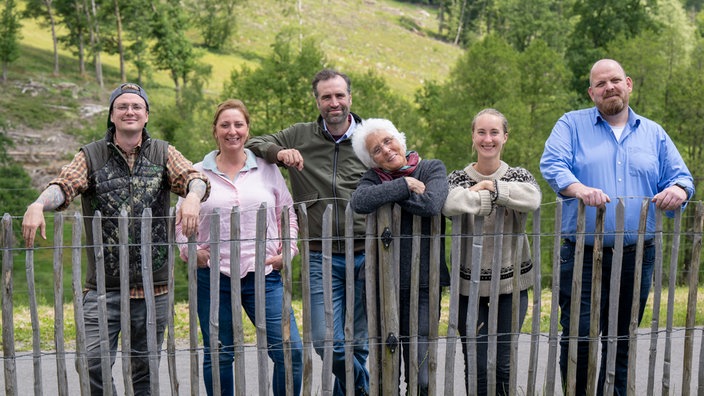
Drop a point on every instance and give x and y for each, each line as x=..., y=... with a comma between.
x=502, y=197
x=485, y=202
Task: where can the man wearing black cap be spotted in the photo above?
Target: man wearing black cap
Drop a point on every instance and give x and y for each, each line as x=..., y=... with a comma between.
x=125, y=170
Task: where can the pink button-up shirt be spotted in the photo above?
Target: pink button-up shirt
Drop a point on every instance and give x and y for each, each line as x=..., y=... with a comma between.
x=258, y=182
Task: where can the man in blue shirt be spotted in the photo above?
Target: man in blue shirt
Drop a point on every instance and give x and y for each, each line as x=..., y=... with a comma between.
x=598, y=155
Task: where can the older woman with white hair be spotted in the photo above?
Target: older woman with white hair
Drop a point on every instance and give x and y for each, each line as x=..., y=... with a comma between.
x=419, y=187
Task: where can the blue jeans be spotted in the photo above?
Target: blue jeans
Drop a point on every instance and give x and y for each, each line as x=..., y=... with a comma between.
x=138, y=338
x=624, y=312
x=503, y=347
x=361, y=335
x=274, y=337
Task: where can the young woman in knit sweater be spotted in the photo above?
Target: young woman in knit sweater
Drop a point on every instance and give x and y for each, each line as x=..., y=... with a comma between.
x=482, y=189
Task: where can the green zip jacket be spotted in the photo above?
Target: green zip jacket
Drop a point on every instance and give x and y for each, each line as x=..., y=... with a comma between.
x=330, y=173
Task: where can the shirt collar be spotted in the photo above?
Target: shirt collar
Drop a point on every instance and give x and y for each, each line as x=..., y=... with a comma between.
x=209, y=162
x=348, y=133
x=633, y=118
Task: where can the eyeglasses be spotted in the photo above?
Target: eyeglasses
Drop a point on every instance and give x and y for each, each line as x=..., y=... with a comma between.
x=136, y=107
x=130, y=87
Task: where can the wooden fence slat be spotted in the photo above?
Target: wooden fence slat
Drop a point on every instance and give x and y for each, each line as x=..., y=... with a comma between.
x=286, y=311
x=575, y=302
x=657, y=282
x=412, y=379
x=326, y=378
x=59, y=341
x=516, y=302
x=674, y=256
x=492, y=329
x=692, y=299
x=171, y=337
x=34, y=316
x=437, y=240
x=8, y=324
x=349, y=299
x=553, y=344
x=473, y=228
x=371, y=287
x=236, y=303
x=105, y=358
x=537, y=294
x=193, y=313
x=303, y=237
x=214, y=319
x=260, y=300
x=81, y=358
x=635, y=306
x=125, y=314
x=614, y=297
x=389, y=308
x=452, y=329
x=595, y=301
x=150, y=301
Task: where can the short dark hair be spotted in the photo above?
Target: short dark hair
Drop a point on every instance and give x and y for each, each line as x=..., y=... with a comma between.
x=327, y=74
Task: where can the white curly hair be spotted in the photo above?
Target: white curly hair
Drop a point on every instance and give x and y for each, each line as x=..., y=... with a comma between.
x=368, y=127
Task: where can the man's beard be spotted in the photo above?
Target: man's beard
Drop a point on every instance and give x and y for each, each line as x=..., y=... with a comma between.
x=612, y=106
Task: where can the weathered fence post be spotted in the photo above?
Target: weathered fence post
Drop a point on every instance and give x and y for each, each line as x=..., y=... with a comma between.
x=452, y=329
x=81, y=358
x=34, y=315
x=349, y=300
x=150, y=301
x=8, y=324
x=125, y=314
x=537, y=294
x=214, y=319
x=612, y=331
x=371, y=283
x=692, y=300
x=236, y=302
x=105, y=358
x=260, y=300
x=595, y=305
x=59, y=341
x=286, y=311
x=303, y=237
x=554, y=302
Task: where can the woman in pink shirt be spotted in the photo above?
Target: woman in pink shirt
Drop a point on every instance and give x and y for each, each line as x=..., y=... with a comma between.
x=239, y=178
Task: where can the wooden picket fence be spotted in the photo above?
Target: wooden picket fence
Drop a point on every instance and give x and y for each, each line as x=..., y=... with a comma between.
x=536, y=366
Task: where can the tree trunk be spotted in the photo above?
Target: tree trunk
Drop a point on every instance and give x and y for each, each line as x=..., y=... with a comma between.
x=120, y=50
x=54, y=39
x=95, y=43
x=460, y=23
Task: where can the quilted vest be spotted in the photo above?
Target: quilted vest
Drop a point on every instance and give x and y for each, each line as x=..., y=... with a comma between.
x=112, y=187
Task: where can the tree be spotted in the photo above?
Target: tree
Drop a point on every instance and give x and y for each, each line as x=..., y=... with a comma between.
x=9, y=36
x=215, y=20
x=75, y=20
x=278, y=93
x=172, y=50
x=44, y=9
x=600, y=22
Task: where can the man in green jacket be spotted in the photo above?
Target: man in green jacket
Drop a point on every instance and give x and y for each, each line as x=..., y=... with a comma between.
x=330, y=174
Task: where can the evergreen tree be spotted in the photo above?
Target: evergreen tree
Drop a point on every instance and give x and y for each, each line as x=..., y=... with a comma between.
x=9, y=36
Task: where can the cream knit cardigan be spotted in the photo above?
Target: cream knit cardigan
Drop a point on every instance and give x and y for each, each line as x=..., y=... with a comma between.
x=518, y=193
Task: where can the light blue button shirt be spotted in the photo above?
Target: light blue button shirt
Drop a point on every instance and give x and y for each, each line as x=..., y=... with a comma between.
x=582, y=148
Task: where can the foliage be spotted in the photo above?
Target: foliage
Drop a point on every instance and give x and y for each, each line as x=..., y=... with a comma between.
x=278, y=93
x=9, y=36
x=14, y=194
x=216, y=21
x=172, y=50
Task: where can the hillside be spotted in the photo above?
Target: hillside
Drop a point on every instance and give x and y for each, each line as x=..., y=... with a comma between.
x=392, y=38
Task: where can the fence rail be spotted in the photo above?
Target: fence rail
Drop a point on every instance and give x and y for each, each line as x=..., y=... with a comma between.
x=534, y=369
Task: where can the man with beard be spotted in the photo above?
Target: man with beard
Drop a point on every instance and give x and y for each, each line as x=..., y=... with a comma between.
x=598, y=155
x=330, y=174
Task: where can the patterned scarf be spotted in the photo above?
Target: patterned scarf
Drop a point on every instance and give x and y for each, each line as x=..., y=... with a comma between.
x=413, y=160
